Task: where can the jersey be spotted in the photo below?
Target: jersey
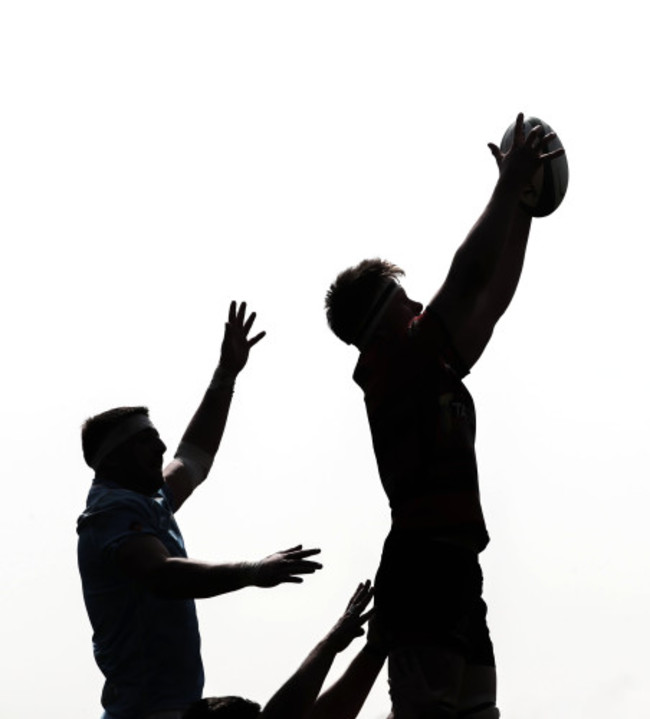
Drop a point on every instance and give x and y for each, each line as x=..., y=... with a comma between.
x=423, y=427
x=148, y=648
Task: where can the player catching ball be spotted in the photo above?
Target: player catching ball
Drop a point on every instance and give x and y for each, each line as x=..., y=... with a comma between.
x=428, y=589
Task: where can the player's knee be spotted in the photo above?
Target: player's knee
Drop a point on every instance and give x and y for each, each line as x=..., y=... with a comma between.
x=485, y=711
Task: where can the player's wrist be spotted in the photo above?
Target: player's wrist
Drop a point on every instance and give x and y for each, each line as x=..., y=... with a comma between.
x=250, y=573
x=511, y=183
x=331, y=643
x=223, y=379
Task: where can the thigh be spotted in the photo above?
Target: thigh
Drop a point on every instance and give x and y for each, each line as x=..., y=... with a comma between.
x=478, y=691
x=425, y=681
x=426, y=594
x=478, y=641
x=478, y=695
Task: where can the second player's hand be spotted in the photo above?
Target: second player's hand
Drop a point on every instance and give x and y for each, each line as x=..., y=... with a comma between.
x=236, y=344
x=350, y=625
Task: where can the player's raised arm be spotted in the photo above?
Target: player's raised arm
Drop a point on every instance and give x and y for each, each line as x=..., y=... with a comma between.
x=345, y=698
x=203, y=435
x=296, y=698
x=486, y=268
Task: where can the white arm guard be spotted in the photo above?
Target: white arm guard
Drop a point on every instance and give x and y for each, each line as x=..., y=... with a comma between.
x=197, y=462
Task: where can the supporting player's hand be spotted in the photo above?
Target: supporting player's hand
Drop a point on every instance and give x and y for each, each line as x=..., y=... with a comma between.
x=285, y=566
x=526, y=153
x=236, y=344
x=350, y=625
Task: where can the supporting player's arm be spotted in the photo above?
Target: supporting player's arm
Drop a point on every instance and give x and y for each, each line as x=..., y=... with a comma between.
x=146, y=560
x=203, y=435
x=345, y=698
x=297, y=698
x=486, y=268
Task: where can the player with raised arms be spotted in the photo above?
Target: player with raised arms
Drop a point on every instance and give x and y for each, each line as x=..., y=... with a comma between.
x=428, y=588
x=138, y=583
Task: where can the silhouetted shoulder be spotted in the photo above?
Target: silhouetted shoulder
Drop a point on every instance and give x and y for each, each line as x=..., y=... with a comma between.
x=430, y=335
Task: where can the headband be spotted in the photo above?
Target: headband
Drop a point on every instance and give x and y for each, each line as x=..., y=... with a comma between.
x=128, y=427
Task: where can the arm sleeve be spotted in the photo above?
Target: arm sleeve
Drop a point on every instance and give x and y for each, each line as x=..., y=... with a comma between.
x=124, y=516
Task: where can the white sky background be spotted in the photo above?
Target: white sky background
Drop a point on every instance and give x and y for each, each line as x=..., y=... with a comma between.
x=159, y=159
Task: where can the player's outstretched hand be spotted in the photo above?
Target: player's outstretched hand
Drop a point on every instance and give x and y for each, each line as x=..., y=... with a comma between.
x=285, y=566
x=526, y=153
x=350, y=625
x=236, y=344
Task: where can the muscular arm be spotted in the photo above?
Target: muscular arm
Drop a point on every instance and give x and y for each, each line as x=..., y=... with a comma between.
x=146, y=560
x=344, y=699
x=486, y=268
x=297, y=696
x=205, y=430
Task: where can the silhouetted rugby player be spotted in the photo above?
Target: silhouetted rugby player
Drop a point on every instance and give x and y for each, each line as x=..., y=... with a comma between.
x=138, y=584
x=411, y=365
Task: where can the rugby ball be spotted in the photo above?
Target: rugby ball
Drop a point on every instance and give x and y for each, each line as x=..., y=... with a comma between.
x=550, y=182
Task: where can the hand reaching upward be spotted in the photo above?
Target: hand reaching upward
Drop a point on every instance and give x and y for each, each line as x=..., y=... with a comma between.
x=236, y=344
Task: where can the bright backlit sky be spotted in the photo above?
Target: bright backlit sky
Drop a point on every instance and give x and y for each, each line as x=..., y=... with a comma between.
x=158, y=159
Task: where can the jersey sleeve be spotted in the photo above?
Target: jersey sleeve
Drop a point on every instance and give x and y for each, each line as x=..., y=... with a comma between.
x=124, y=515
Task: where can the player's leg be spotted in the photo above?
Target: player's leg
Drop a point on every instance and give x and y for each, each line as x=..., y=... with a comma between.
x=478, y=694
x=425, y=595
x=425, y=682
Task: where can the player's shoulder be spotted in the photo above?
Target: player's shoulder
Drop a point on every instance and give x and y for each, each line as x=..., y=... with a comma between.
x=429, y=334
x=107, y=500
x=105, y=495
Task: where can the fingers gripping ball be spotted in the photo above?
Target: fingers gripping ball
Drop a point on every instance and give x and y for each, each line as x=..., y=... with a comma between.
x=550, y=182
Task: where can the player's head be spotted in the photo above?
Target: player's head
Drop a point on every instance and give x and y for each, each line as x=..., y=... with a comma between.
x=223, y=707
x=123, y=445
x=358, y=296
